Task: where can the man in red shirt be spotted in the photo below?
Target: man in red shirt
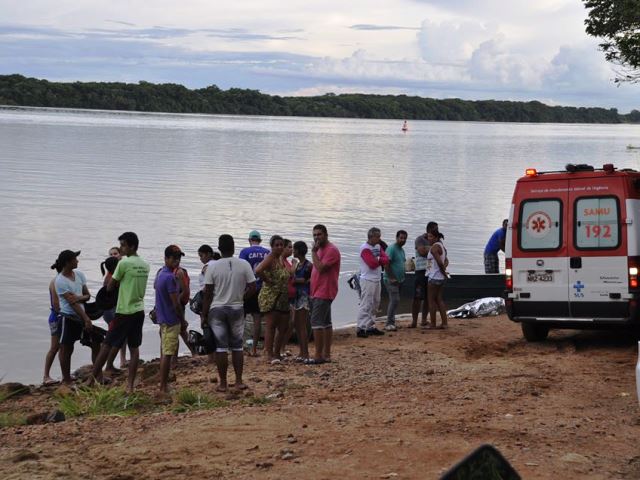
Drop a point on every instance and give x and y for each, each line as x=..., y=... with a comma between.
x=324, y=288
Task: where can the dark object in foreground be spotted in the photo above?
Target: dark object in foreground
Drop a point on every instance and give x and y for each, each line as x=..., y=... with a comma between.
x=204, y=343
x=484, y=463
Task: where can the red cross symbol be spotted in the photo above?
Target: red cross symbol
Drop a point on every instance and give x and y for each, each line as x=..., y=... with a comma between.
x=538, y=224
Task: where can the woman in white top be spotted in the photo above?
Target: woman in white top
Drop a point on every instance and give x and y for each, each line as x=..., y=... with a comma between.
x=437, y=277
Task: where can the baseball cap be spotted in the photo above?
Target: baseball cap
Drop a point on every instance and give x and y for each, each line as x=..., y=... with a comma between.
x=173, y=251
x=65, y=256
x=255, y=234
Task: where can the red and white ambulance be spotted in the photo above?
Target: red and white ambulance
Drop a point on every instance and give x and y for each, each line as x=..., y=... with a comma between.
x=573, y=249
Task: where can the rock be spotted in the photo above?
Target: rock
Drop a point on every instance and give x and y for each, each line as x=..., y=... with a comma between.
x=292, y=439
x=149, y=370
x=13, y=389
x=574, y=458
x=36, y=419
x=288, y=456
x=83, y=372
x=56, y=416
x=24, y=455
x=264, y=465
x=273, y=396
x=389, y=475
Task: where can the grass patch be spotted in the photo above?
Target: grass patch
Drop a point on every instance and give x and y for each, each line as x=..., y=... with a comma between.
x=257, y=401
x=188, y=399
x=11, y=420
x=100, y=400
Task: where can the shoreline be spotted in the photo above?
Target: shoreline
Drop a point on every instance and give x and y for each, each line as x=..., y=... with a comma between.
x=411, y=403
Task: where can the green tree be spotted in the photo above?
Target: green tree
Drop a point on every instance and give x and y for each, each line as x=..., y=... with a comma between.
x=617, y=22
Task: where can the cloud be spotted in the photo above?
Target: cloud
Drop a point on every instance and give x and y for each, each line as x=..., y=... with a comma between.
x=368, y=26
x=451, y=41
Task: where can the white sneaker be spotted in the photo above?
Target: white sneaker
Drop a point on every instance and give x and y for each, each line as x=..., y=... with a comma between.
x=390, y=328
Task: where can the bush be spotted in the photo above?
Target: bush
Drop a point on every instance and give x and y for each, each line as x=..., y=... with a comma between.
x=188, y=399
x=100, y=400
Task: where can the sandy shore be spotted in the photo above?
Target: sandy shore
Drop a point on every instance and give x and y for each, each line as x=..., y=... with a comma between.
x=406, y=405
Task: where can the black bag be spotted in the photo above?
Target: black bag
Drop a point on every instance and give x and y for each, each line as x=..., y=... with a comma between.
x=106, y=300
x=93, y=310
x=93, y=337
x=203, y=343
x=195, y=304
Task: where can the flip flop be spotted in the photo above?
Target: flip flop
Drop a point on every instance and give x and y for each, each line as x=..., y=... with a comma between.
x=313, y=361
x=51, y=382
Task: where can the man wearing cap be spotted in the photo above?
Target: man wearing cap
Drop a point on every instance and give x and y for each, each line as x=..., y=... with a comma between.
x=71, y=287
x=184, y=292
x=254, y=254
x=131, y=276
x=169, y=312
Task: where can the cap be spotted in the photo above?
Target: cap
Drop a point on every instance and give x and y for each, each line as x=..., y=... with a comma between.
x=173, y=251
x=65, y=256
x=255, y=234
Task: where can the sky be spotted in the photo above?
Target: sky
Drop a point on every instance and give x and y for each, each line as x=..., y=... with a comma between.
x=469, y=49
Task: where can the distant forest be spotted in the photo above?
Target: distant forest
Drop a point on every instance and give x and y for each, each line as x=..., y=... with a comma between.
x=17, y=90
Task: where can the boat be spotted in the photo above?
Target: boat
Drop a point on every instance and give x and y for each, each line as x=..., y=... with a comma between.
x=633, y=147
x=460, y=288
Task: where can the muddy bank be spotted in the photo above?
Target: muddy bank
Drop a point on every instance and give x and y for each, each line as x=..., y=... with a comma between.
x=406, y=405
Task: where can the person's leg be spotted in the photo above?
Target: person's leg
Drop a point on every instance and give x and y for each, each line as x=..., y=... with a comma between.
x=169, y=343
x=257, y=326
x=269, y=334
x=301, y=332
x=425, y=306
x=133, y=368
x=221, y=331
x=433, y=303
x=288, y=331
x=95, y=350
x=281, y=321
x=184, y=334
x=318, y=341
x=236, y=342
x=113, y=353
x=328, y=338
x=222, y=363
x=442, y=306
x=366, y=305
x=415, y=311
x=134, y=325
x=165, y=368
x=64, y=355
x=50, y=357
x=123, y=356
x=393, y=289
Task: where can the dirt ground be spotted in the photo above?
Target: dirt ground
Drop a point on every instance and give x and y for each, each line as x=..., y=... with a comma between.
x=407, y=405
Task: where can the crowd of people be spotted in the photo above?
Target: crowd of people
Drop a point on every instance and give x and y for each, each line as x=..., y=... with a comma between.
x=279, y=287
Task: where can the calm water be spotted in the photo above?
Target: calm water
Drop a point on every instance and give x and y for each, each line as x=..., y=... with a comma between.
x=78, y=179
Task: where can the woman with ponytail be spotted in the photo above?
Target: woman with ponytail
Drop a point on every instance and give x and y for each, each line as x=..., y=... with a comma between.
x=54, y=327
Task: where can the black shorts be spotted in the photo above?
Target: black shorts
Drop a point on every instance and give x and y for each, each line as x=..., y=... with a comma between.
x=420, y=285
x=125, y=327
x=70, y=329
x=251, y=305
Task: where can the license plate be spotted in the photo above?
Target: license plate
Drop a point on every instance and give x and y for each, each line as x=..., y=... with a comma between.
x=540, y=277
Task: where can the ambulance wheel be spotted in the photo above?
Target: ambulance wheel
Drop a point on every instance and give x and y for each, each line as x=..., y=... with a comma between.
x=534, y=332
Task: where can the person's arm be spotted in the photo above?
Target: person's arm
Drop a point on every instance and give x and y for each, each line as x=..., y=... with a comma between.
x=55, y=301
x=265, y=265
x=186, y=292
x=69, y=297
x=207, y=298
x=250, y=291
x=437, y=255
x=503, y=239
x=389, y=271
x=330, y=259
x=383, y=259
x=369, y=258
x=116, y=277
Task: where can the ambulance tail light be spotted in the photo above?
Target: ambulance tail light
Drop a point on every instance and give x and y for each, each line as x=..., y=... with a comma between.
x=634, y=267
x=508, y=275
x=531, y=172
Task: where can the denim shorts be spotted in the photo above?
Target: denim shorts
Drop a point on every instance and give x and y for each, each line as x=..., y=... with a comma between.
x=437, y=281
x=227, y=324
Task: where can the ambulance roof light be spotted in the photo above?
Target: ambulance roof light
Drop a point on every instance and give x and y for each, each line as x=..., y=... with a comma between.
x=608, y=167
x=531, y=172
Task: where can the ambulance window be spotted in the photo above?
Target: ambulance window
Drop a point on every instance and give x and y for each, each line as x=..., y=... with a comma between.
x=597, y=223
x=540, y=224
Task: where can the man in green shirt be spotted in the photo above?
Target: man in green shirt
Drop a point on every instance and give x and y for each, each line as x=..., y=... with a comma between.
x=130, y=278
x=394, y=277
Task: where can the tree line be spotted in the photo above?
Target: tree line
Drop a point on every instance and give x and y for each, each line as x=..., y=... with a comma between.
x=17, y=90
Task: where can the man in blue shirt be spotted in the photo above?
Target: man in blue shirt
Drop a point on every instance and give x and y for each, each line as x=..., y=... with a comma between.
x=254, y=254
x=494, y=245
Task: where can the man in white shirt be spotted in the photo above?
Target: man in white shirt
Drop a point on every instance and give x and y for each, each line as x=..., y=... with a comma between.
x=372, y=258
x=226, y=285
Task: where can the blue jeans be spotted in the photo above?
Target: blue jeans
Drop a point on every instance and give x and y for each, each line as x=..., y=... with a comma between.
x=393, y=289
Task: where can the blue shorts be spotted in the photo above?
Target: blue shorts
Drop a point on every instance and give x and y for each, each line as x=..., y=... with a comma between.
x=54, y=324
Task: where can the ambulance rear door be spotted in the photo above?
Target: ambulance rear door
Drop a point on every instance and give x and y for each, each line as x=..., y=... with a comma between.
x=540, y=258
x=598, y=283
